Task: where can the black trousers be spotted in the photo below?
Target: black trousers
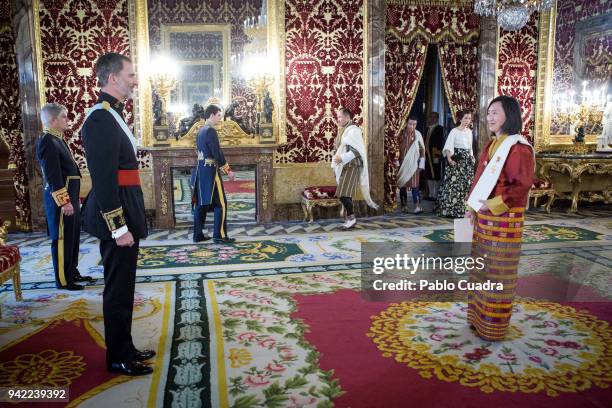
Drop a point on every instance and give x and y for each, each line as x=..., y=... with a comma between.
x=403, y=194
x=65, y=250
x=347, y=203
x=118, y=299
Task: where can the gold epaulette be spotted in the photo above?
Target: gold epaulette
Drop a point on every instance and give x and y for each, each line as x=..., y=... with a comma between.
x=114, y=219
x=106, y=105
x=61, y=197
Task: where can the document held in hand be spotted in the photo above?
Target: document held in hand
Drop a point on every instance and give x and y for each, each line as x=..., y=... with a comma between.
x=463, y=230
x=422, y=163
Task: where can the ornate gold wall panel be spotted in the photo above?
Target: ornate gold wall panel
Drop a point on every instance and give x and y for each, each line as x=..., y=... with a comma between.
x=141, y=55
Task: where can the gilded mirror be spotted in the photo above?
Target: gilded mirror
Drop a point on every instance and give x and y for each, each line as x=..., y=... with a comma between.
x=573, y=65
x=214, y=45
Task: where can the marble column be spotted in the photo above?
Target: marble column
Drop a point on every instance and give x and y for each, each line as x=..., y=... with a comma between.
x=487, y=81
x=29, y=93
x=374, y=35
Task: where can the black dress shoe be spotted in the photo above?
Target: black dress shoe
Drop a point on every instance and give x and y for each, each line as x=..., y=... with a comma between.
x=72, y=286
x=201, y=239
x=81, y=278
x=226, y=240
x=131, y=368
x=142, y=355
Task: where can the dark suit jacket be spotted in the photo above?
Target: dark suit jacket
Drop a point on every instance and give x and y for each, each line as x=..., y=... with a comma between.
x=108, y=149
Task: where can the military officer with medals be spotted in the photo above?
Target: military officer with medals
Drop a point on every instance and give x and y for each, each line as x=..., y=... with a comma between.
x=114, y=210
x=61, y=187
x=206, y=181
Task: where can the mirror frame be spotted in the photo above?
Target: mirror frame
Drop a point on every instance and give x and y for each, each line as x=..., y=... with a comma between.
x=224, y=29
x=543, y=140
x=140, y=52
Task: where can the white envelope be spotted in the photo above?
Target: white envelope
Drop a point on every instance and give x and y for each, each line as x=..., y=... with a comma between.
x=463, y=230
x=422, y=163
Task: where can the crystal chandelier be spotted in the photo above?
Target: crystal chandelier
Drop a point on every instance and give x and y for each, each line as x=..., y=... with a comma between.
x=512, y=15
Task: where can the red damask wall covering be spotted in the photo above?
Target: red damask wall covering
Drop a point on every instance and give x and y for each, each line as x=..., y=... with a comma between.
x=517, y=64
x=11, y=129
x=324, y=70
x=74, y=33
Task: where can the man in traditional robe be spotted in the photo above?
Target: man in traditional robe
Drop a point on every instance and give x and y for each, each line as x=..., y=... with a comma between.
x=114, y=211
x=350, y=166
x=434, y=142
x=206, y=180
x=411, y=162
x=61, y=186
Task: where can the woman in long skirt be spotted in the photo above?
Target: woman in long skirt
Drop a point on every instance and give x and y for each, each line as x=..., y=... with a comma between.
x=496, y=206
x=459, y=171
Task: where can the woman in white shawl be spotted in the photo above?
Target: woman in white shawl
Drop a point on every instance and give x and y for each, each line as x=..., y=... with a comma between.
x=350, y=166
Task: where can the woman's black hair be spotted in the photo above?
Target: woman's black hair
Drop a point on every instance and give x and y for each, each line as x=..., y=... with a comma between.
x=461, y=114
x=514, y=122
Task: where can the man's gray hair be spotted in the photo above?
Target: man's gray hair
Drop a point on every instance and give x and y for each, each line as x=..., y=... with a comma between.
x=109, y=63
x=51, y=111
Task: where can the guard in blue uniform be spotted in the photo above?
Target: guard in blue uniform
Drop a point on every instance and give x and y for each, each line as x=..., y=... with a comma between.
x=114, y=210
x=61, y=186
x=206, y=181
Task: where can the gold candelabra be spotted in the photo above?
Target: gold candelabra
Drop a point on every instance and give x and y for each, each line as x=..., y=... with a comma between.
x=163, y=84
x=163, y=78
x=261, y=83
x=579, y=115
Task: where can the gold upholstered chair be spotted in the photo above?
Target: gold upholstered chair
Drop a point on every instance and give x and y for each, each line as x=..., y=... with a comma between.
x=9, y=262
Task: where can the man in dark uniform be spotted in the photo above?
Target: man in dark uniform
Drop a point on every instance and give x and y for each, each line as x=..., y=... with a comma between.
x=61, y=187
x=434, y=143
x=206, y=180
x=114, y=211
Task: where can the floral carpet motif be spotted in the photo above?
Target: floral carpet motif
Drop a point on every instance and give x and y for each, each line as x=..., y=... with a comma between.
x=171, y=256
x=56, y=339
x=543, y=233
x=551, y=348
x=261, y=356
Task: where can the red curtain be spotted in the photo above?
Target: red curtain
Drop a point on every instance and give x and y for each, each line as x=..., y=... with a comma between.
x=459, y=65
x=403, y=69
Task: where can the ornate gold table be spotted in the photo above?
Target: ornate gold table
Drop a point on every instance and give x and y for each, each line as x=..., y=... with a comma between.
x=586, y=177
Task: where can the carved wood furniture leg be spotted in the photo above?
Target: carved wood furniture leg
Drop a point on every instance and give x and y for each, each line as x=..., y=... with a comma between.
x=309, y=207
x=575, y=195
x=551, y=200
x=305, y=211
x=17, y=283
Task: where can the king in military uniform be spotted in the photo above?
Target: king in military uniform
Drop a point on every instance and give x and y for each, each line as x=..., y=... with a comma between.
x=206, y=180
x=114, y=210
x=61, y=186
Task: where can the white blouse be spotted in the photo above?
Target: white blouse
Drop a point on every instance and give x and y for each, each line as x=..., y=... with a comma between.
x=458, y=139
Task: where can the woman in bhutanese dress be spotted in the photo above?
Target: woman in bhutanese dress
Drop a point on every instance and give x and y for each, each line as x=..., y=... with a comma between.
x=496, y=206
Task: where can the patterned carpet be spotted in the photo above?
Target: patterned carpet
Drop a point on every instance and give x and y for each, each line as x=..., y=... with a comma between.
x=277, y=320
x=240, y=195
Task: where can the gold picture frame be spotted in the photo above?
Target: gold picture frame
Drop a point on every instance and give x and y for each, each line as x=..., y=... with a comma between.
x=225, y=30
x=139, y=44
x=543, y=140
